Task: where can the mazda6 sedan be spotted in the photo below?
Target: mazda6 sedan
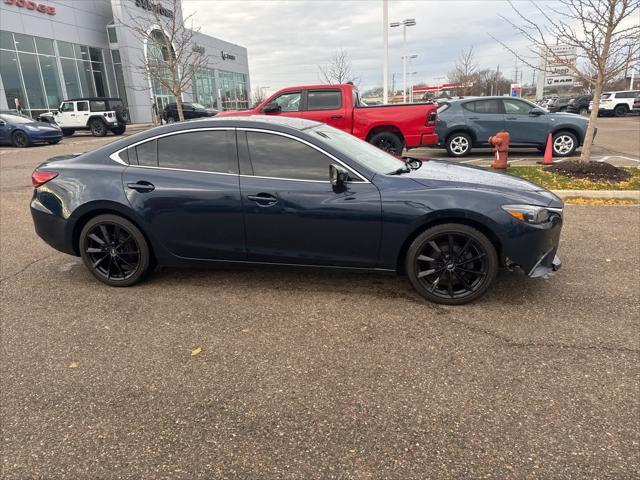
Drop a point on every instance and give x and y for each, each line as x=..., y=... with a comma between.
x=291, y=192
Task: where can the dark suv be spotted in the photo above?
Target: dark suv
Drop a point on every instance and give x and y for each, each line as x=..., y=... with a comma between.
x=190, y=111
x=580, y=104
x=559, y=104
x=463, y=124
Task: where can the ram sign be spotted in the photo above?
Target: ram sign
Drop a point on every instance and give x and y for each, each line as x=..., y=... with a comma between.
x=556, y=68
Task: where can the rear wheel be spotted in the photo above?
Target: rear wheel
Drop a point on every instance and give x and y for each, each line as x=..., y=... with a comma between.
x=564, y=144
x=98, y=128
x=458, y=145
x=389, y=142
x=114, y=250
x=620, y=110
x=451, y=264
x=118, y=130
x=20, y=139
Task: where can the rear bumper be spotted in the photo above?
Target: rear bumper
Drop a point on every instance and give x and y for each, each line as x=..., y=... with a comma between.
x=421, y=140
x=49, y=226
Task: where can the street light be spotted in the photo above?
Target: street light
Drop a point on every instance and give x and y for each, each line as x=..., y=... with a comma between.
x=411, y=74
x=407, y=22
x=409, y=58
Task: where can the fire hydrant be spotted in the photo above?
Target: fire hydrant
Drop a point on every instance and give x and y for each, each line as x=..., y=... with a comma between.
x=500, y=144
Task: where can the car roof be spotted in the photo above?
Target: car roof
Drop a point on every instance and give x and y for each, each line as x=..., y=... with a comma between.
x=265, y=120
x=93, y=99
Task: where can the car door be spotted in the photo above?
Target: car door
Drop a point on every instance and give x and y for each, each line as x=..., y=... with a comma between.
x=327, y=106
x=523, y=126
x=82, y=114
x=67, y=114
x=185, y=188
x=292, y=213
x=290, y=104
x=484, y=117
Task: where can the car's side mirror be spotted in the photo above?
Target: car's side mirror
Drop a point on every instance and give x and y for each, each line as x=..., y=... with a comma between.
x=338, y=176
x=2, y=123
x=272, y=108
x=536, y=112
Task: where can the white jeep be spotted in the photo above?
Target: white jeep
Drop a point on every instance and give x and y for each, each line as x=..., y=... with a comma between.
x=98, y=114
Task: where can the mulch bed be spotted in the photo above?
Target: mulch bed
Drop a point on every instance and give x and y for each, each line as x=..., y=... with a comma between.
x=594, y=171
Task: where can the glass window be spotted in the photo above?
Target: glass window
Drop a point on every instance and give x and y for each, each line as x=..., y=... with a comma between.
x=32, y=83
x=117, y=67
x=517, y=107
x=483, y=106
x=98, y=106
x=24, y=43
x=70, y=75
x=282, y=157
x=65, y=49
x=95, y=55
x=115, y=55
x=67, y=107
x=6, y=40
x=147, y=154
x=113, y=36
x=289, y=102
x=82, y=52
x=86, y=79
x=49, y=70
x=11, y=79
x=209, y=151
x=99, y=79
x=82, y=106
x=44, y=46
x=324, y=100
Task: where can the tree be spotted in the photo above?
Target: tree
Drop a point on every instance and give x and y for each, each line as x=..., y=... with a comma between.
x=173, y=58
x=605, y=34
x=258, y=96
x=465, y=72
x=338, y=69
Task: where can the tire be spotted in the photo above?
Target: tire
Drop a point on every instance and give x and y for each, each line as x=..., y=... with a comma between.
x=122, y=114
x=564, y=144
x=119, y=130
x=171, y=120
x=113, y=260
x=620, y=110
x=389, y=142
x=459, y=145
x=67, y=132
x=53, y=142
x=20, y=139
x=451, y=279
x=97, y=127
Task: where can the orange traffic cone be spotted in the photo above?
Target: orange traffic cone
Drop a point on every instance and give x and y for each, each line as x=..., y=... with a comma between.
x=548, y=151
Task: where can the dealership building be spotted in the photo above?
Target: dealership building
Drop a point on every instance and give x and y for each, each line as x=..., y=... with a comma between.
x=52, y=50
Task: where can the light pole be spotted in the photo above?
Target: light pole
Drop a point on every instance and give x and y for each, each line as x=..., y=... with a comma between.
x=385, y=62
x=409, y=74
x=407, y=22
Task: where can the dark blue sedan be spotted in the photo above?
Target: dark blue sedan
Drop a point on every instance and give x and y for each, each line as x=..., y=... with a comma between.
x=22, y=131
x=285, y=191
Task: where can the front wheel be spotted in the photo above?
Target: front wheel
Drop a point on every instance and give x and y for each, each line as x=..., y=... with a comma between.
x=67, y=132
x=114, y=250
x=389, y=142
x=98, y=128
x=458, y=145
x=20, y=139
x=620, y=111
x=451, y=264
x=564, y=144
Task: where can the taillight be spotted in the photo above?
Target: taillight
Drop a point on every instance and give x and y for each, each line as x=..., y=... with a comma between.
x=431, y=118
x=40, y=178
x=110, y=114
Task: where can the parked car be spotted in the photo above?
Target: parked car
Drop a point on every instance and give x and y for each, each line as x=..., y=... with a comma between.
x=464, y=124
x=97, y=114
x=636, y=105
x=22, y=131
x=283, y=191
x=189, y=110
x=617, y=104
x=580, y=104
x=389, y=127
x=558, y=104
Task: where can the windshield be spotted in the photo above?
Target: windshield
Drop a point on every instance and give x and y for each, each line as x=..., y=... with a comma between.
x=197, y=105
x=362, y=152
x=12, y=118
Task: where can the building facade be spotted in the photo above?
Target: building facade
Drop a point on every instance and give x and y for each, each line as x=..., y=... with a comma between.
x=52, y=50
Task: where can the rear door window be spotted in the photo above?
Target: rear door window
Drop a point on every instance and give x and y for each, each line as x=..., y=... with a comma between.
x=83, y=106
x=483, y=106
x=206, y=151
x=324, y=99
x=147, y=154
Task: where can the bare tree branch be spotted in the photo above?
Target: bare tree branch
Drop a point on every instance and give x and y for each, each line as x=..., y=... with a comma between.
x=338, y=70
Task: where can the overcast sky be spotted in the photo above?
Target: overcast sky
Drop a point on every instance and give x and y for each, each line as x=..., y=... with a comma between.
x=287, y=40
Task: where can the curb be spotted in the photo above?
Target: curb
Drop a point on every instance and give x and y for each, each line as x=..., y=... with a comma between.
x=602, y=194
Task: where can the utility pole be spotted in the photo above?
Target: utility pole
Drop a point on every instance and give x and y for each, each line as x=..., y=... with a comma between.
x=385, y=63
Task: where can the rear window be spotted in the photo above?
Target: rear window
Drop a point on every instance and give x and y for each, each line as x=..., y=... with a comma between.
x=146, y=153
x=442, y=108
x=324, y=100
x=606, y=95
x=98, y=106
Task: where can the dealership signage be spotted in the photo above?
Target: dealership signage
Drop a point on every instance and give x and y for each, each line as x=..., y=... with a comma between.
x=30, y=5
x=227, y=56
x=557, y=66
x=154, y=7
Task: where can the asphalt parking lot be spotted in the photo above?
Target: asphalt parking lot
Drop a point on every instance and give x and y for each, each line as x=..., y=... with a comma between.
x=316, y=375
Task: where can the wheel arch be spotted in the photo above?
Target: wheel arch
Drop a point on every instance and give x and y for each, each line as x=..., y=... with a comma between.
x=385, y=128
x=460, y=217
x=466, y=130
x=94, y=117
x=571, y=129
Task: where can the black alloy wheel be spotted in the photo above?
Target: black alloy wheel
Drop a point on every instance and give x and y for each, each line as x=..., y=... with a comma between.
x=620, y=111
x=98, y=128
x=67, y=132
x=451, y=264
x=389, y=142
x=114, y=250
x=20, y=139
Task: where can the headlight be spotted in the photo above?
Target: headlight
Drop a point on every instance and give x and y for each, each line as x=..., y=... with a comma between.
x=33, y=129
x=531, y=213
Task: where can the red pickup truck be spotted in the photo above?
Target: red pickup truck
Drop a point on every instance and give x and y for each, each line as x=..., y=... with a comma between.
x=390, y=127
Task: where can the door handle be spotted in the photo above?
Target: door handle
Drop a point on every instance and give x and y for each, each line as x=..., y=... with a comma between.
x=141, y=186
x=474, y=118
x=336, y=117
x=263, y=199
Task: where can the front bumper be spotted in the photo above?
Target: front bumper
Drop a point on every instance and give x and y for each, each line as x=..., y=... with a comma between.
x=45, y=136
x=547, y=264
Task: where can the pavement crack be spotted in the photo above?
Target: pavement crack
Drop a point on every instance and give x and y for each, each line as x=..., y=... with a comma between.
x=15, y=274
x=559, y=346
